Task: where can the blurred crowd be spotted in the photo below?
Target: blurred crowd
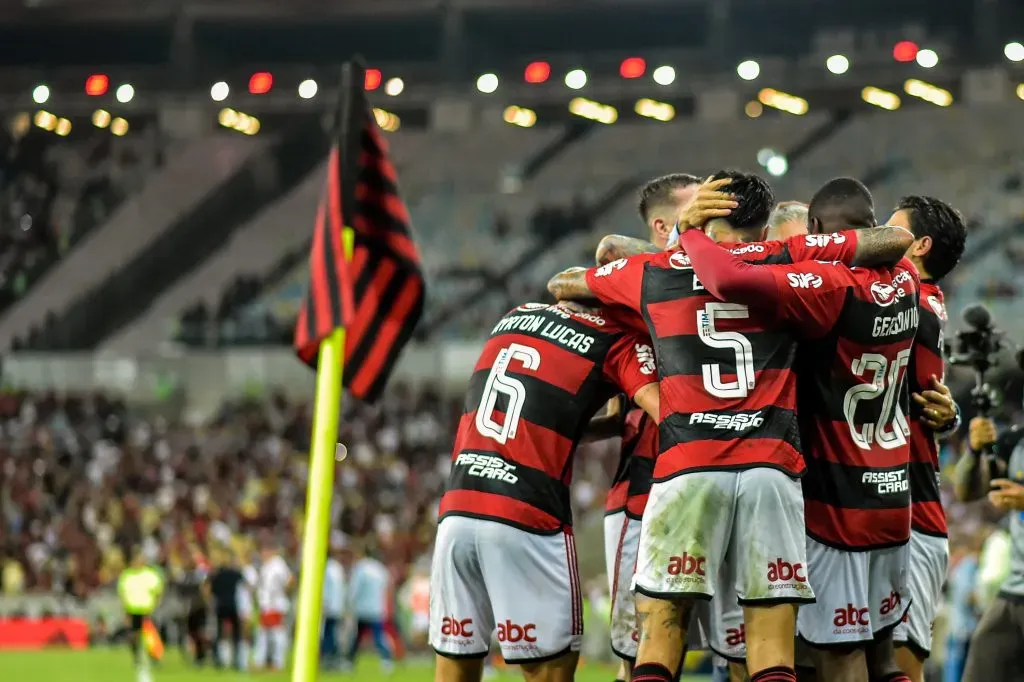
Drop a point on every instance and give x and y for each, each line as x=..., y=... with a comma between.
x=54, y=190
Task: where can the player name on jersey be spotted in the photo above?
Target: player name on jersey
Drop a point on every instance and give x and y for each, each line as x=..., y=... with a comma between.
x=564, y=334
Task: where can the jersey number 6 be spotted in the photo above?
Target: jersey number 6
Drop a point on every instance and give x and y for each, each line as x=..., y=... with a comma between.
x=498, y=384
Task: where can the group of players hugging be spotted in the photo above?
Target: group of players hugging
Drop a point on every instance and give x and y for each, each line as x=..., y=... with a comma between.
x=777, y=499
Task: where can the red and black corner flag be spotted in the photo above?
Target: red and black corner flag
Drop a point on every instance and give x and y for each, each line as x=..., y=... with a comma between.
x=378, y=294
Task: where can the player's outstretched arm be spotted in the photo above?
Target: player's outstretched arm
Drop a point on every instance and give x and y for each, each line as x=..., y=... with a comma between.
x=725, y=275
x=883, y=245
x=616, y=246
x=570, y=285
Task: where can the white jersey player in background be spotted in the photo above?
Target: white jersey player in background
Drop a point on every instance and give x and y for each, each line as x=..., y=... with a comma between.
x=273, y=589
x=246, y=608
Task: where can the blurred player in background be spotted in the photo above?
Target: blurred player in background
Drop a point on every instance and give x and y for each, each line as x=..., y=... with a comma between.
x=140, y=588
x=939, y=237
x=273, y=596
x=505, y=557
x=854, y=434
x=224, y=583
x=333, y=605
x=367, y=597
x=195, y=594
x=247, y=609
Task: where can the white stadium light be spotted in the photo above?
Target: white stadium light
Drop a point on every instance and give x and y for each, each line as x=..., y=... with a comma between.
x=927, y=58
x=220, y=91
x=40, y=94
x=1014, y=52
x=125, y=93
x=764, y=155
x=307, y=89
x=576, y=79
x=664, y=75
x=394, y=86
x=837, y=64
x=748, y=70
x=487, y=83
x=777, y=165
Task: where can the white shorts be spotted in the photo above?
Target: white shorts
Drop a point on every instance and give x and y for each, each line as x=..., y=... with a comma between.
x=708, y=531
x=728, y=636
x=860, y=594
x=929, y=559
x=488, y=576
x=621, y=541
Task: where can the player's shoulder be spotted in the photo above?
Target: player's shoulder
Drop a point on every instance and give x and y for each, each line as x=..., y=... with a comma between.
x=933, y=300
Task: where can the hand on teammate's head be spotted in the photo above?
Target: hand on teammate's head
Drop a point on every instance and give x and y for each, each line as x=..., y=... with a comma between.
x=711, y=202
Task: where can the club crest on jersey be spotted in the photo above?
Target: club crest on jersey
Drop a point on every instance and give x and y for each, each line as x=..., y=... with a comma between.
x=679, y=261
x=885, y=294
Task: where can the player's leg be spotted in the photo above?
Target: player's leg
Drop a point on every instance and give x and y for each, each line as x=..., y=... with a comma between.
x=461, y=620
x=890, y=603
x=683, y=542
x=244, y=610
x=260, y=646
x=279, y=654
x=624, y=635
x=767, y=562
x=221, y=652
x=837, y=627
x=996, y=645
x=929, y=560
x=543, y=634
x=382, y=642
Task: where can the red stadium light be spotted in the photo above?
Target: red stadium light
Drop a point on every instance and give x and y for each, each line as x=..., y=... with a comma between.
x=537, y=72
x=633, y=67
x=97, y=85
x=905, y=51
x=260, y=83
x=372, y=79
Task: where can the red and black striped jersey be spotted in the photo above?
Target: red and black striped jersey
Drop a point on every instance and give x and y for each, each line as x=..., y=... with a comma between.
x=927, y=515
x=632, y=482
x=543, y=373
x=853, y=398
x=728, y=393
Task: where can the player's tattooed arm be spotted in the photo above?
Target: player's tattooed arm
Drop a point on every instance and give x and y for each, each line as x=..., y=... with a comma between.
x=616, y=246
x=883, y=245
x=570, y=285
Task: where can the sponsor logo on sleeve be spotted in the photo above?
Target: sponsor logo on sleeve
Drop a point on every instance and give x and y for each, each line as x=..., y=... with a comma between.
x=609, y=268
x=645, y=357
x=823, y=240
x=804, y=280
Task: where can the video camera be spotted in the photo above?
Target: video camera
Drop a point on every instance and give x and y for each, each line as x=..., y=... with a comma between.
x=977, y=346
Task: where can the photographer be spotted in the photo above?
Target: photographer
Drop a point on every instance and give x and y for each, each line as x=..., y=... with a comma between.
x=995, y=653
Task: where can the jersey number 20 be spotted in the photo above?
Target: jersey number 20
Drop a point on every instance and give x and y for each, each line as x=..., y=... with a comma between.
x=500, y=384
x=885, y=384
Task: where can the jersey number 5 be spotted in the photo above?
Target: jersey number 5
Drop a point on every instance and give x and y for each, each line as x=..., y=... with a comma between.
x=500, y=384
x=734, y=341
x=885, y=384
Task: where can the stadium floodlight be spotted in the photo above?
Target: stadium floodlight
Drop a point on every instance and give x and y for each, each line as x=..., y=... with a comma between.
x=519, y=116
x=63, y=127
x=97, y=84
x=261, y=82
x=764, y=155
x=928, y=92
x=905, y=51
x=783, y=101
x=777, y=165
x=125, y=93
x=387, y=121
x=927, y=58
x=487, y=83
x=659, y=111
x=748, y=70
x=753, y=109
x=41, y=94
x=307, y=89
x=219, y=91
x=101, y=118
x=119, y=127
x=394, y=87
x=576, y=79
x=45, y=120
x=372, y=79
x=632, y=67
x=594, y=111
x=837, y=64
x=664, y=75
x=1014, y=52
x=1020, y=91
x=880, y=98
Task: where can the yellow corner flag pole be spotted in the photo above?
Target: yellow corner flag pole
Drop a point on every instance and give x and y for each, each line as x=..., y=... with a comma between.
x=316, y=529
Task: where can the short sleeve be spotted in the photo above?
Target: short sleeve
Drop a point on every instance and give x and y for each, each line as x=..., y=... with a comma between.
x=619, y=282
x=838, y=246
x=630, y=363
x=811, y=294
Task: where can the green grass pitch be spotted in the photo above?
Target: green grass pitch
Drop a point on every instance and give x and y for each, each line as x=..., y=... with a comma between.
x=113, y=665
